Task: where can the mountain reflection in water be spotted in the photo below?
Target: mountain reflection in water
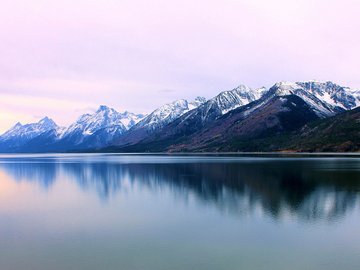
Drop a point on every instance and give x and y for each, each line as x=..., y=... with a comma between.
x=308, y=189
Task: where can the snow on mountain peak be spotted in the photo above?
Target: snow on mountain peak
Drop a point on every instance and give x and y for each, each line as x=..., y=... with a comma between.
x=103, y=108
x=165, y=113
x=200, y=99
x=333, y=94
x=285, y=88
x=196, y=103
x=239, y=96
x=29, y=131
x=326, y=98
x=99, y=128
x=47, y=122
x=261, y=91
x=221, y=104
x=88, y=124
x=16, y=126
x=106, y=110
x=105, y=125
x=168, y=112
x=129, y=119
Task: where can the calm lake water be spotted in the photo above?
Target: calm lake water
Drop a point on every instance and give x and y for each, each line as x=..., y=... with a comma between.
x=179, y=212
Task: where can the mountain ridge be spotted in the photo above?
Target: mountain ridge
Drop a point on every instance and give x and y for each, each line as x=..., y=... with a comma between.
x=193, y=125
x=238, y=114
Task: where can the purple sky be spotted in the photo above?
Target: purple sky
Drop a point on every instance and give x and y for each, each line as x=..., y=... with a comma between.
x=64, y=58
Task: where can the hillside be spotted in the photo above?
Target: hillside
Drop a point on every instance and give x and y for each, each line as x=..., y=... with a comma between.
x=340, y=133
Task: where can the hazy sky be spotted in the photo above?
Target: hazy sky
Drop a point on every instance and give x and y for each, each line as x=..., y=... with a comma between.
x=64, y=58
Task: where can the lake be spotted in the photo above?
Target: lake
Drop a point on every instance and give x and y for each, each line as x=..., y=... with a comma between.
x=108, y=211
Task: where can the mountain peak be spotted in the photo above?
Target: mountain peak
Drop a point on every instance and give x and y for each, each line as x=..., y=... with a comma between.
x=126, y=113
x=196, y=103
x=325, y=98
x=88, y=124
x=284, y=88
x=178, y=102
x=232, y=99
x=242, y=88
x=168, y=113
x=17, y=125
x=46, y=120
x=103, y=108
x=29, y=131
x=200, y=99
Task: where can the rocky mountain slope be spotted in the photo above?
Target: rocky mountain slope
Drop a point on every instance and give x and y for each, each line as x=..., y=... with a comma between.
x=340, y=133
x=242, y=119
x=283, y=108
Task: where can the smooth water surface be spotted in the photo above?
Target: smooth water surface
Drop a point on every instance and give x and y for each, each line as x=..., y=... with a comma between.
x=179, y=212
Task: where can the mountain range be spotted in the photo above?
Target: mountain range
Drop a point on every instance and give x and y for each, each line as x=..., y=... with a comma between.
x=300, y=116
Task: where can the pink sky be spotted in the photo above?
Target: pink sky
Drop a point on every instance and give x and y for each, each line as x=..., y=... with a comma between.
x=64, y=58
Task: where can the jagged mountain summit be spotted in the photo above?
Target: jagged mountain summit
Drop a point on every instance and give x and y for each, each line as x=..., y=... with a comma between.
x=223, y=103
x=326, y=98
x=230, y=100
x=88, y=124
x=282, y=108
x=20, y=135
x=196, y=119
x=271, y=114
x=89, y=131
x=231, y=117
x=95, y=130
x=196, y=102
x=168, y=113
x=159, y=119
x=129, y=119
x=29, y=131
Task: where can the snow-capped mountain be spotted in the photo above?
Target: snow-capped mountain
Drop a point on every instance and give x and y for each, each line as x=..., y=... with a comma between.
x=20, y=135
x=196, y=103
x=284, y=107
x=104, y=117
x=230, y=100
x=159, y=119
x=89, y=131
x=168, y=113
x=179, y=119
x=105, y=120
x=214, y=108
x=245, y=113
x=326, y=98
x=29, y=131
x=241, y=112
x=129, y=119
